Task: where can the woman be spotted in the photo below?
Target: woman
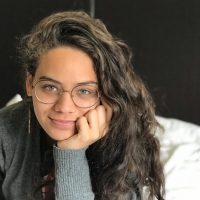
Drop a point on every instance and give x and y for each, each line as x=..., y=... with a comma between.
x=87, y=107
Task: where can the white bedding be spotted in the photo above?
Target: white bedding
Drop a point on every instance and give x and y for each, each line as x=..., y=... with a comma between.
x=180, y=153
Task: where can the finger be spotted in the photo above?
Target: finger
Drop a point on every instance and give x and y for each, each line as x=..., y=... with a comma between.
x=108, y=110
x=101, y=112
x=92, y=118
x=82, y=125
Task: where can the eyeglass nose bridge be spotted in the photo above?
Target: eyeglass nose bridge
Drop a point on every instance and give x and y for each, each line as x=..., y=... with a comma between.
x=66, y=91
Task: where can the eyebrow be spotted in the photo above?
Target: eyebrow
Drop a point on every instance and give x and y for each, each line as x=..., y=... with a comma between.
x=55, y=81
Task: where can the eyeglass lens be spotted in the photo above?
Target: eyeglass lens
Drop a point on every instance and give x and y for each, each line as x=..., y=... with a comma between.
x=85, y=95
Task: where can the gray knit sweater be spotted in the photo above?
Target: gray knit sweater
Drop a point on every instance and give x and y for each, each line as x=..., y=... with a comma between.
x=20, y=158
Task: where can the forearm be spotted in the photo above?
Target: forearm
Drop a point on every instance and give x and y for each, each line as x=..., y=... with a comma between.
x=72, y=178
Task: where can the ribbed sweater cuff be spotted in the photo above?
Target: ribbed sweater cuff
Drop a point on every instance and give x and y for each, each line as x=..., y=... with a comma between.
x=72, y=175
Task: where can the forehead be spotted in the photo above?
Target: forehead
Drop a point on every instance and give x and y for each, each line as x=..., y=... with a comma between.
x=66, y=64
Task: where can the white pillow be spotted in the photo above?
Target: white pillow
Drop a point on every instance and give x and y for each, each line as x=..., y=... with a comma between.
x=15, y=99
x=180, y=153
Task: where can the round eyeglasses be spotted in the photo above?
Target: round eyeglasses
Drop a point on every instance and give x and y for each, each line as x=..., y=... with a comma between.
x=84, y=95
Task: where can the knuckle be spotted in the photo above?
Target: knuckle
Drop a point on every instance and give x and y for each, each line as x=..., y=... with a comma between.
x=100, y=108
x=82, y=119
x=92, y=112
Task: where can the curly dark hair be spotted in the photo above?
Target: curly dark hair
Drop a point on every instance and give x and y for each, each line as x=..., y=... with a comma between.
x=127, y=159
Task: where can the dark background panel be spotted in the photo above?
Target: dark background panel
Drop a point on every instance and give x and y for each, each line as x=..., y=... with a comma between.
x=16, y=19
x=165, y=36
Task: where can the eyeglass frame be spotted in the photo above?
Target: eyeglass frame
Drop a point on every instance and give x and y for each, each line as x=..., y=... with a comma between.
x=68, y=91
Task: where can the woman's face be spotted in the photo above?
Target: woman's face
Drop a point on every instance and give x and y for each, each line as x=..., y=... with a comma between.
x=67, y=67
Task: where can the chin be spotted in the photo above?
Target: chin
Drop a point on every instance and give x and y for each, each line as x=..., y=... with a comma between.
x=60, y=135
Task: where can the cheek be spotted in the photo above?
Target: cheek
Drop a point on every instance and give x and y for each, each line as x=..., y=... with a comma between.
x=84, y=111
x=40, y=109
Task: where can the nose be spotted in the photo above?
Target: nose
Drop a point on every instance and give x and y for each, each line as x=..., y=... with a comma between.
x=65, y=103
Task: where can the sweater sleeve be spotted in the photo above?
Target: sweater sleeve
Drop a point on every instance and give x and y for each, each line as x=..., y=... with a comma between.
x=72, y=178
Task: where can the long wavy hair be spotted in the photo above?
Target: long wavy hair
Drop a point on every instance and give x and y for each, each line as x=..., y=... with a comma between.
x=127, y=159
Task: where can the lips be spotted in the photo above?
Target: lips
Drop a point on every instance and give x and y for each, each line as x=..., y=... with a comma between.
x=62, y=124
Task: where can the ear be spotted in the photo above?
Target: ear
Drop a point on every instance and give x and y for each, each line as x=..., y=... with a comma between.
x=29, y=83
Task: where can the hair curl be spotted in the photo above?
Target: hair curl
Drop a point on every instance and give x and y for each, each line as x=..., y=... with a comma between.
x=127, y=159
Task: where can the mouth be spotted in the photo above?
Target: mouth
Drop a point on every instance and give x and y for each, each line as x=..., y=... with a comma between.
x=62, y=124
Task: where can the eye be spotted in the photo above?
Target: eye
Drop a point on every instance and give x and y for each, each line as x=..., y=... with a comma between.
x=84, y=91
x=49, y=87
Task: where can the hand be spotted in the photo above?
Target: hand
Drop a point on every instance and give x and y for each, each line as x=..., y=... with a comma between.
x=91, y=127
